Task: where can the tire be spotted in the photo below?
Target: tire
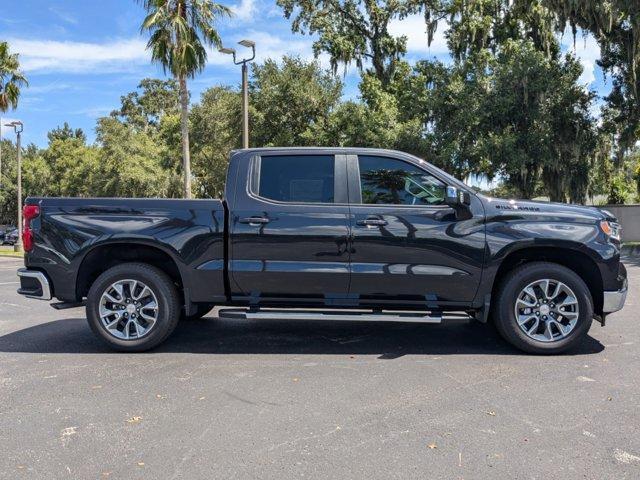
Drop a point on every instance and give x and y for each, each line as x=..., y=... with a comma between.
x=142, y=334
x=558, y=333
x=201, y=310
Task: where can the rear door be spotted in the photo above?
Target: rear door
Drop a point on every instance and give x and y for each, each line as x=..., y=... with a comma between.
x=289, y=231
x=409, y=248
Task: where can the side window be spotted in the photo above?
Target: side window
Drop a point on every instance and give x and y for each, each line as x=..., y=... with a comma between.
x=297, y=178
x=390, y=181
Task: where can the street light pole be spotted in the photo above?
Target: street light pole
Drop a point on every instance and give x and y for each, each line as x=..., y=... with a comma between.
x=18, y=127
x=245, y=85
x=245, y=106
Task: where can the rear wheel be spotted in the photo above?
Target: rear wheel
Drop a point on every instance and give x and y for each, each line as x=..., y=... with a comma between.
x=543, y=307
x=133, y=307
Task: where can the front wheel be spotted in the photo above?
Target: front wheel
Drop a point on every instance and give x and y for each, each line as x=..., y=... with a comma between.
x=133, y=307
x=543, y=308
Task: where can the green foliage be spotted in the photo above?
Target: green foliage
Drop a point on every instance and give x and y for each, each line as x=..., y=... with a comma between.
x=448, y=105
x=616, y=26
x=618, y=190
x=144, y=108
x=216, y=130
x=376, y=122
x=8, y=191
x=71, y=164
x=179, y=32
x=357, y=31
x=291, y=102
x=635, y=171
x=12, y=79
x=623, y=184
x=517, y=113
x=488, y=24
x=541, y=122
x=128, y=162
x=36, y=178
x=66, y=132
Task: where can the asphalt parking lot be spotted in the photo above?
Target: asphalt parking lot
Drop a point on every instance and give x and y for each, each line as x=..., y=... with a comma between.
x=274, y=400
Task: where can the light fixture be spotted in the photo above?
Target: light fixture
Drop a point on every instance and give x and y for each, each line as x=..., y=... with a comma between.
x=245, y=84
x=16, y=124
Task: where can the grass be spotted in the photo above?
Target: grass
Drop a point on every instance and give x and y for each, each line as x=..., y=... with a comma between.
x=8, y=252
x=11, y=254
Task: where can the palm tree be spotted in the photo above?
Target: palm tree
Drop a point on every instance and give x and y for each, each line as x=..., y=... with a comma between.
x=179, y=31
x=11, y=78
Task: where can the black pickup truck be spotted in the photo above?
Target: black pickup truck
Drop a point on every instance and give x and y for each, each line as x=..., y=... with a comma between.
x=327, y=233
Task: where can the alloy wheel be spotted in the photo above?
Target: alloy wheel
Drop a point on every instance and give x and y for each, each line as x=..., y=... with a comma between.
x=128, y=309
x=547, y=310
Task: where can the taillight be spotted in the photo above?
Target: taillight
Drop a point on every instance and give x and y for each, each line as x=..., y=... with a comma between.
x=29, y=212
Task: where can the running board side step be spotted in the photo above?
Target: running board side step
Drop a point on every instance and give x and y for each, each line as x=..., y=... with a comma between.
x=368, y=316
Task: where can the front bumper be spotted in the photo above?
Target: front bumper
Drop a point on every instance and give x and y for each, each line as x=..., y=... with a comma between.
x=34, y=284
x=614, y=301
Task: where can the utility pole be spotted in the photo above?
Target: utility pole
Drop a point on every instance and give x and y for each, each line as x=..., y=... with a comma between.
x=245, y=85
x=18, y=127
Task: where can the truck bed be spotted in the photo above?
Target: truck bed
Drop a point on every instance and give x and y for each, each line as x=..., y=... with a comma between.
x=70, y=232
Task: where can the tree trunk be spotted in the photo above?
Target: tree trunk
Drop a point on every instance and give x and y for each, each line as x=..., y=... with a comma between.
x=555, y=184
x=184, y=124
x=378, y=67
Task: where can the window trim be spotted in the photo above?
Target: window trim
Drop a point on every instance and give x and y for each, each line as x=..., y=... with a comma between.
x=340, y=189
x=355, y=186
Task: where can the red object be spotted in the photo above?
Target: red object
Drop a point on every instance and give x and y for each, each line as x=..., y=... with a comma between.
x=29, y=212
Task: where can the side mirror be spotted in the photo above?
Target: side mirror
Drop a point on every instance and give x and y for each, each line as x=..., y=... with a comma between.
x=456, y=198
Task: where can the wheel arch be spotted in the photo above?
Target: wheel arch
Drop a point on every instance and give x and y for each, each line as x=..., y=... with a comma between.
x=106, y=255
x=575, y=260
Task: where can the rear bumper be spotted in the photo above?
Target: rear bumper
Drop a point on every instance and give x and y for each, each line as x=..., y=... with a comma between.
x=34, y=284
x=614, y=301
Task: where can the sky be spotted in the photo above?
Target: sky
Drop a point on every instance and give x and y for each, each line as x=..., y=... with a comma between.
x=81, y=56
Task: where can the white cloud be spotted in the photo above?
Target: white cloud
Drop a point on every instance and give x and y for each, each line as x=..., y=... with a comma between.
x=272, y=46
x=93, y=112
x=267, y=46
x=45, y=56
x=414, y=28
x=587, y=50
x=275, y=11
x=64, y=16
x=48, y=56
x=52, y=87
x=245, y=10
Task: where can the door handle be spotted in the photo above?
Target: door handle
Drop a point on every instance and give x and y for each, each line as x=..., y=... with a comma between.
x=372, y=222
x=254, y=220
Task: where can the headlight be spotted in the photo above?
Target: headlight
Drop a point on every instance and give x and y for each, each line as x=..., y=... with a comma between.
x=611, y=229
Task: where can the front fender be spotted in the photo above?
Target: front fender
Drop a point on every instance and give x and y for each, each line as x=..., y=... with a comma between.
x=550, y=236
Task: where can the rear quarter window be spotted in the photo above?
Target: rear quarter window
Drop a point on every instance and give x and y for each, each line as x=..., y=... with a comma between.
x=297, y=178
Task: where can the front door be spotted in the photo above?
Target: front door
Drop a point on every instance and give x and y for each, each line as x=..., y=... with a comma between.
x=408, y=248
x=289, y=231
